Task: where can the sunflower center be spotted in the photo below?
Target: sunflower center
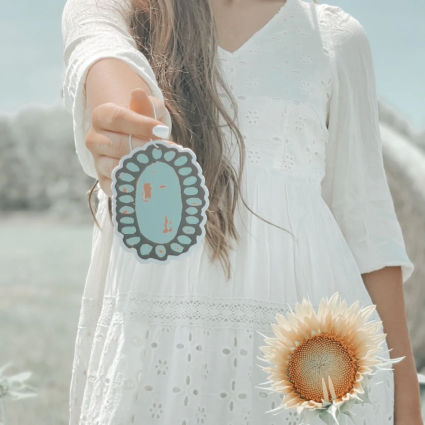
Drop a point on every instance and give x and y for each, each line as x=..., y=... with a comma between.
x=316, y=358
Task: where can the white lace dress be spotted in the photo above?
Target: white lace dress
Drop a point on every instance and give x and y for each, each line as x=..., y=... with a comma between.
x=178, y=344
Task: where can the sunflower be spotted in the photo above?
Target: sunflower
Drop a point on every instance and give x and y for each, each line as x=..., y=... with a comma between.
x=323, y=362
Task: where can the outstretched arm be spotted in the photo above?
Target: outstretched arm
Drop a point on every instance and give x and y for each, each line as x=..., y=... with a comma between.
x=102, y=64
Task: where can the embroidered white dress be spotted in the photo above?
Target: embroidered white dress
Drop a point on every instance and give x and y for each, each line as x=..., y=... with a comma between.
x=178, y=344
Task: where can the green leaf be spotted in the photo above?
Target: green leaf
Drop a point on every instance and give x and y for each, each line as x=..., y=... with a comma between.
x=333, y=411
x=365, y=396
x=326, y=404
x=327, y=418
x=308, y=414
x=330, y=416
x=347, y=406
x=349, y=414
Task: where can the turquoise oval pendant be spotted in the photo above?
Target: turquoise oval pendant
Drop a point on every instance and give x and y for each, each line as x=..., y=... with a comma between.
x=159, y=202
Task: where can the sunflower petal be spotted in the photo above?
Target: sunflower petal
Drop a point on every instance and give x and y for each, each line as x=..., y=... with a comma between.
x=325, y=391
x=331, y=388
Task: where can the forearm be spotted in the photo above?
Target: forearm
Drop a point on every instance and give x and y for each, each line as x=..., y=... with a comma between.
x=386, y=291
x=112, y=80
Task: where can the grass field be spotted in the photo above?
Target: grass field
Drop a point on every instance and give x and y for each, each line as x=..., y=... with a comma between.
x=43, y=265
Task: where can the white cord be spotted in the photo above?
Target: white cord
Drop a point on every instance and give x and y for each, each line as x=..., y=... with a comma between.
x=153, y=107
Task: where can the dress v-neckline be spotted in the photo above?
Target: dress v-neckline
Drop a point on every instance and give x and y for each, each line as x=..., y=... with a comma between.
x=258, y=33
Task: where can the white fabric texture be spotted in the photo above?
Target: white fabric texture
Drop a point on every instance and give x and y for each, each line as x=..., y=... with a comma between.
x=179, y=343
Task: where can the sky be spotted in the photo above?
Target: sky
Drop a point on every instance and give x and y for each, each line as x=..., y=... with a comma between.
x=31, y=64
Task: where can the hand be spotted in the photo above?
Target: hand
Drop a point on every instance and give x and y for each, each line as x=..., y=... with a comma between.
x=112, y=124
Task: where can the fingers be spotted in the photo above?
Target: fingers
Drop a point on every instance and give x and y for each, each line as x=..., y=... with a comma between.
x=160, y=109
x=106, y=185
x=140, y=102
x=150, y=106
x=115, y=145
x=105, y=166
x=113, y=117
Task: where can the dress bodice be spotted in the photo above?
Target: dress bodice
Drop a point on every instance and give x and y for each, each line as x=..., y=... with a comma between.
x=280, y=79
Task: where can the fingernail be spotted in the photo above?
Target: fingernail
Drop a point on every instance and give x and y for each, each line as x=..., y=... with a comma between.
x=161, y=131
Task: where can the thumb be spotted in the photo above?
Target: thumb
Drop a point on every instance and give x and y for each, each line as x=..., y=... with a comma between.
x=149, y=106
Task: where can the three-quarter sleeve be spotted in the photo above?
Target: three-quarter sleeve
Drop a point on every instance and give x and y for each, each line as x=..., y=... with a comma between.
x=93, y=30
x=355, y=187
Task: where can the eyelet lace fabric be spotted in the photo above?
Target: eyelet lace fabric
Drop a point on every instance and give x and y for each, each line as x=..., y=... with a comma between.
x=184, y=357
x=179, y=344
x=183, y=310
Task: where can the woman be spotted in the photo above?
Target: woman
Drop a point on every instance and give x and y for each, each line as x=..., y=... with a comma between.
x=278, y=102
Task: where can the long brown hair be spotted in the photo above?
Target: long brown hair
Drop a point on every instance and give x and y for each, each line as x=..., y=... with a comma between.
x=179, y=40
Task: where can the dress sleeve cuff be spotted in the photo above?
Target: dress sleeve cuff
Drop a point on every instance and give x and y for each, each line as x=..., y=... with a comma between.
x=376, y=252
